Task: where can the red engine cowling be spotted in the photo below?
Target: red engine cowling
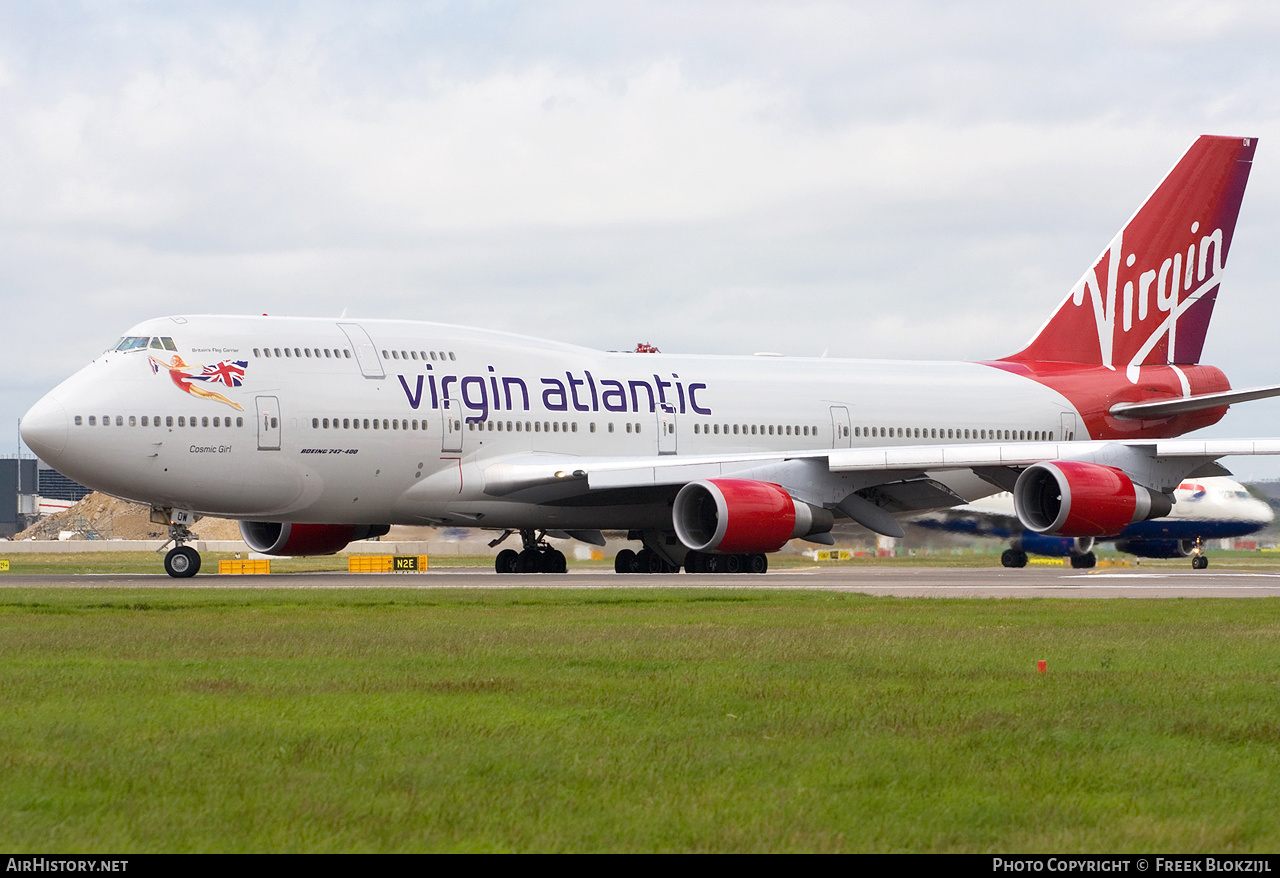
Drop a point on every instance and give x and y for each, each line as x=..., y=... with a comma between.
x=1072, y=498
x=284, y=538
x=741, y=515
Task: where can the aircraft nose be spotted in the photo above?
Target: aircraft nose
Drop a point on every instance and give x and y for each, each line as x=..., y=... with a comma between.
x=44, y=429
x=1265, y=513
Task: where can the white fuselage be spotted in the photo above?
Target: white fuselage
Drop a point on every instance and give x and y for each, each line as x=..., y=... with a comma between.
x=379, y=421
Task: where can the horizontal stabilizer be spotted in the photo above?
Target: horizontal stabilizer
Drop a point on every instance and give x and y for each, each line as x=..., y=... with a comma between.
x=1163, y=408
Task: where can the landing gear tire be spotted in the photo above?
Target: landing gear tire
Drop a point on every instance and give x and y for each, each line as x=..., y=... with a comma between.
x=706, y=562
x=624, y=561
x=1013, y=558
x=553, y=561
x=1199, y=562
x=649, y=561
x=1085, y=561
x=181, y=562
x=506, y=561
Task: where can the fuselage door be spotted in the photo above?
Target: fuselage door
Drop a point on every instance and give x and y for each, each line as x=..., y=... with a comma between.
x=451, y=426
x=840, y=432
x=666, y=429
x=1068, y=426
x=268, y=423
x=366, y=353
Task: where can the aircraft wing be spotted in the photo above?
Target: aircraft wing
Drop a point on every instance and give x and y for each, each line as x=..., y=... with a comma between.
x=869, y=485
x=826, y=476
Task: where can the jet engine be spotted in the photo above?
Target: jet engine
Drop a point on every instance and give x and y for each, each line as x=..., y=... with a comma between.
x=1072, y=498
x=277, y=538
x=742, y=516
x=1157, y=548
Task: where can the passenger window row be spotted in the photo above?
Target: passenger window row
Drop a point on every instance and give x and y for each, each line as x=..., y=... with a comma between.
x=951, y=433
x=345, y=354
x=417, y=355
x=168, y=421
x=756, y=429
x=299, y=353
x=366, y=424
x=526, y=426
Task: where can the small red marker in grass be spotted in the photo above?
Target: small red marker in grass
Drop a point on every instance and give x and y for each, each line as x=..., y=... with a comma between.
x=1042, y=666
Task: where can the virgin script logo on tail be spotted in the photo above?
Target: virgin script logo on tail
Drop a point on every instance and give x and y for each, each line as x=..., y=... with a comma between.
x=1141, y=302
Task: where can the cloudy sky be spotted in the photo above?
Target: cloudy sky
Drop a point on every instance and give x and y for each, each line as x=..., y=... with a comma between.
x=908, y=180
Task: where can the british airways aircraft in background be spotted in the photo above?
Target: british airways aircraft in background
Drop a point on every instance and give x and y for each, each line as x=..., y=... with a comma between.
x=1204, y=509
x=317, y=432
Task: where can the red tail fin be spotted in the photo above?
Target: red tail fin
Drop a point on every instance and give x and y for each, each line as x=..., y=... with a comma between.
x=1148, y=298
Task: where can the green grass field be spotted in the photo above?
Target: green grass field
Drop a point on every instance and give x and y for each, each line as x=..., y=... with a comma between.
x=632, y=720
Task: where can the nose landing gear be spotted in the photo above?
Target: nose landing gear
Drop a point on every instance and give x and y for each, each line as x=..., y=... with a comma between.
x=181, y=561
x=1198, y=559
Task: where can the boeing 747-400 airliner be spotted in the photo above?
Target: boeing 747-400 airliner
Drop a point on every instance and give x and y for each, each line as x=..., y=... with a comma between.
x=317, y=432
x=1204, y=509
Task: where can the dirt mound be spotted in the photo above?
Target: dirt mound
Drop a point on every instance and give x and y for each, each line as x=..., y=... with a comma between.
x=110, y=519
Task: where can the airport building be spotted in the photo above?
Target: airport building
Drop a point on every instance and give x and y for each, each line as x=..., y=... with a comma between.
x=30, y=488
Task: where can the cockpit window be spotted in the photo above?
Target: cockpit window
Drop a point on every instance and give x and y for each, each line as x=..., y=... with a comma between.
x=133, y=343
x=163, y=343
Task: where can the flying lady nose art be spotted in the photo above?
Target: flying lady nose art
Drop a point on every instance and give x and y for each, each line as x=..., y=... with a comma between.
x=229, y=373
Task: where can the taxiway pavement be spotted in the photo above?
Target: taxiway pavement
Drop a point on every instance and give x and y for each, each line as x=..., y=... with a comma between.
x=935, y=582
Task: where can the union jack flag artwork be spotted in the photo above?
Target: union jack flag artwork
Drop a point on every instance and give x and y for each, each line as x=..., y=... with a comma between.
x=228, y=372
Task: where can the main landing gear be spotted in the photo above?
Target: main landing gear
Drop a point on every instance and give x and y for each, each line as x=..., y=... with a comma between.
x=182, y=560
x=1085, y=561
x=644, y=561
x=537, y=556
x=705, y=562
x=649, y=561
x=1018, y=558
x=1013, y=558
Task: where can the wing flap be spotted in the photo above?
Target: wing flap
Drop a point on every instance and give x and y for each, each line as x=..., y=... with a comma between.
x=911, y=495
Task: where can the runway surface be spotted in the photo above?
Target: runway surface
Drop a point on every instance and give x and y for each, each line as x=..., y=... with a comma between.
x=936, y=582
